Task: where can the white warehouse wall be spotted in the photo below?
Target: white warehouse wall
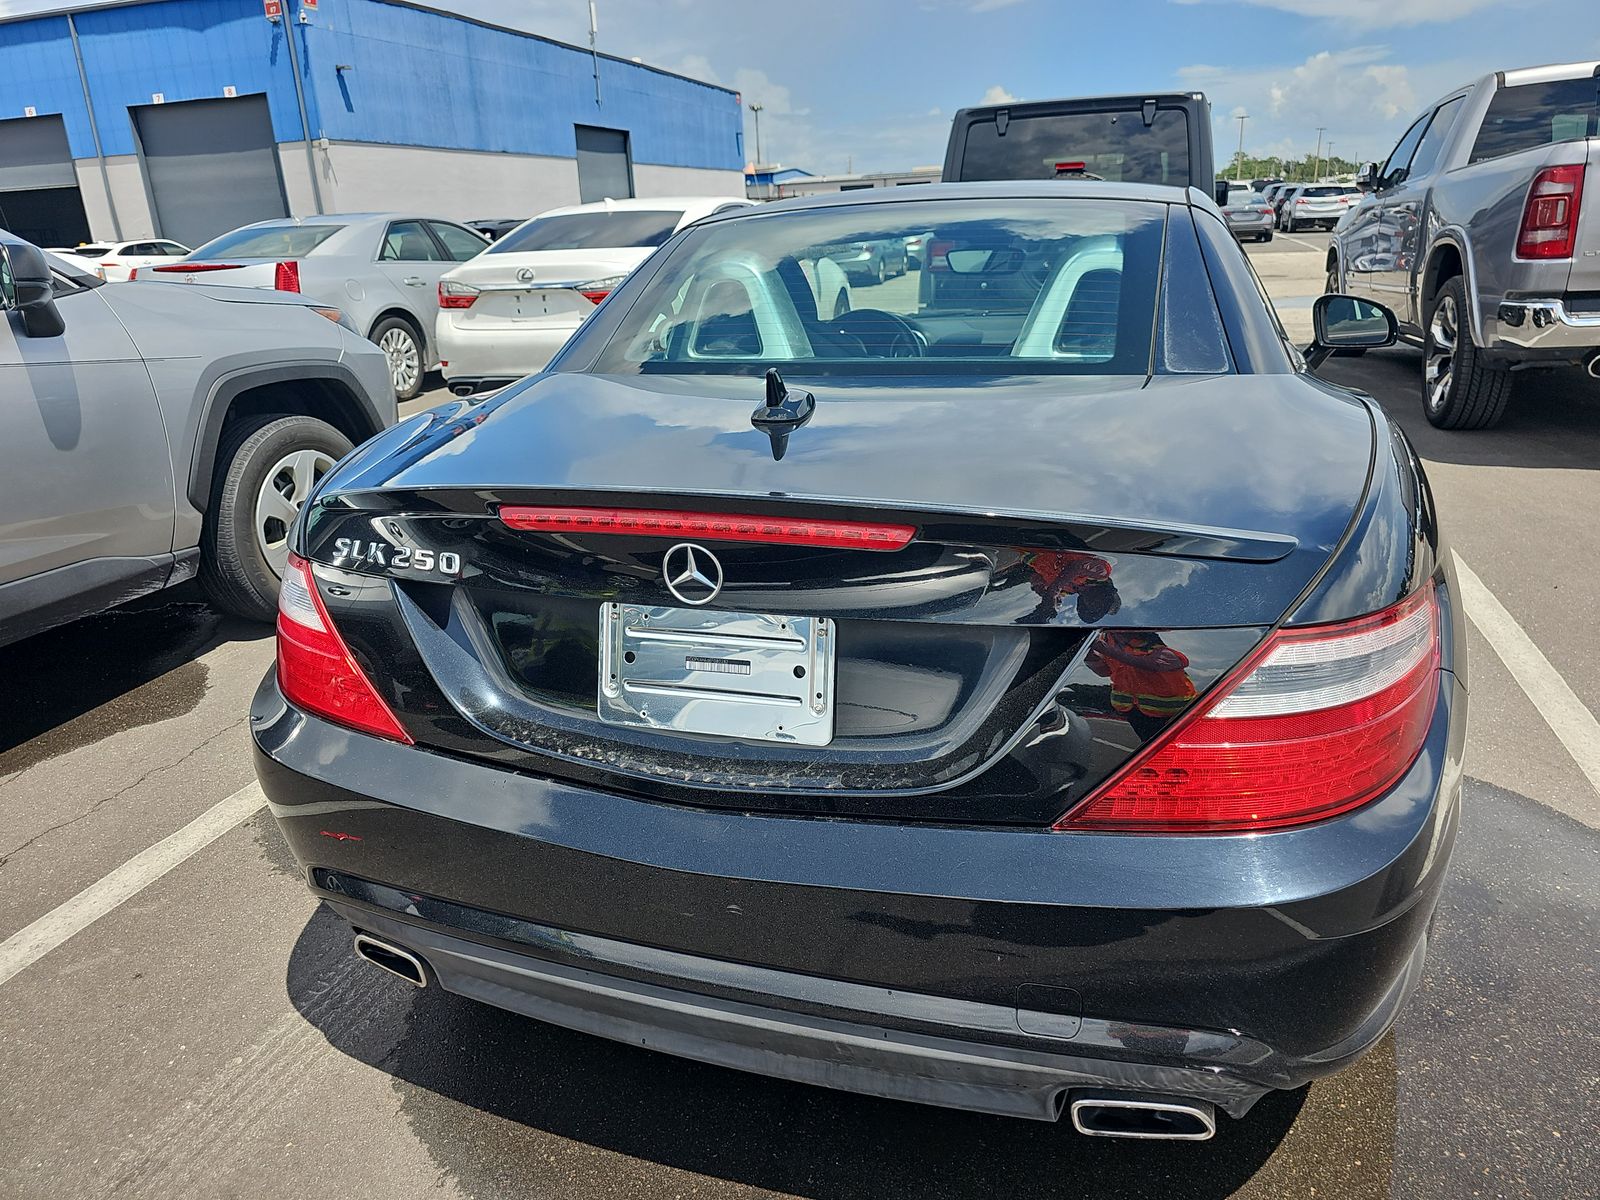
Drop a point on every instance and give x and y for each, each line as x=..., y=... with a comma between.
x=651, y=180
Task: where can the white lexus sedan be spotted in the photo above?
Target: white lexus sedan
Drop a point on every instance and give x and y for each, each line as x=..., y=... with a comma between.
x=505, y=313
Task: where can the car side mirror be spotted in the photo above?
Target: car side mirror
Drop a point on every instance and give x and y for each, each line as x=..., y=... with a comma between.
x=29, y=290
x=1367, y=177
x=1219, y=193
x=1348, y=323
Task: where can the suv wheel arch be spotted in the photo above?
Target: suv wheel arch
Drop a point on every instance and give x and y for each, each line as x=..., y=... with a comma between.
x=326, y=390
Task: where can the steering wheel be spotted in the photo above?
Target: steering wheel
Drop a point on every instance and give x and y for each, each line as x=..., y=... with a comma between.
x=882, y=333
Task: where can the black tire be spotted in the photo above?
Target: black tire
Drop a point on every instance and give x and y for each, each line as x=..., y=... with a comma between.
x=883, y=271
x=392, y=334
x=1288, y=225
x=1459, y=389
x=841, y=304
x=235, y=569
x=1267, y=236
x=1330, y=285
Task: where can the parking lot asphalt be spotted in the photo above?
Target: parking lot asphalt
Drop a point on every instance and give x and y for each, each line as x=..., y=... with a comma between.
x=212, y=1036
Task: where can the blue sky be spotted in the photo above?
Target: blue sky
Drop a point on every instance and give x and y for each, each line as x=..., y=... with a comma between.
x=872, y=83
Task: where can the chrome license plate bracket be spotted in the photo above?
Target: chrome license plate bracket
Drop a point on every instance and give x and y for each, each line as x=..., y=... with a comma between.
x=755, y=677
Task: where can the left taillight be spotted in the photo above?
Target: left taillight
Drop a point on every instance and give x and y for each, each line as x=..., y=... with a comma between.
x=1317, y=722
x=315, y=669
x=286, y=276
x=455, y=294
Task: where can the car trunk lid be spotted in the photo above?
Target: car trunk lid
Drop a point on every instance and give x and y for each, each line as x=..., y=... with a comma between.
x=967, y=652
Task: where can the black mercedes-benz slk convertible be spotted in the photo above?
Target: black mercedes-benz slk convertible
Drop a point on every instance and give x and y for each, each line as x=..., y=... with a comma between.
x=1019, y=686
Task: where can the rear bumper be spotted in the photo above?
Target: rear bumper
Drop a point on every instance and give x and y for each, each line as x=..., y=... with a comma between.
x=577, y=984
x=501, y=355
x=989, y=969
x=1542, y=328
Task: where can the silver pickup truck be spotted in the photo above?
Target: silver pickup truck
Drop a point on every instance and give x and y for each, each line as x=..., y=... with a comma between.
x=1482, y=232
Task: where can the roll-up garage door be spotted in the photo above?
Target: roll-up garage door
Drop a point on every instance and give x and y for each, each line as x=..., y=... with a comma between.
x=211, y=164
x=605, y=169
x=39, y=198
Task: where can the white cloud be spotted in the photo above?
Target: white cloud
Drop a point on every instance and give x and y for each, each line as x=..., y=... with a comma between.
x=997, y=95
x=1373, y=14
x=1357, y=95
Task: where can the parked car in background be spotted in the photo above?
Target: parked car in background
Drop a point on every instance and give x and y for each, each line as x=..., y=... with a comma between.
x=1311, y=204
x=502, y=315
x=1261, y=185
x=870, y=261
x=917, y=251
x=115, y=262
x=496, y=227
x=1482, y=230
x=1111, y=776
x=381, y=269
x=1249, y=216
x=149, y=434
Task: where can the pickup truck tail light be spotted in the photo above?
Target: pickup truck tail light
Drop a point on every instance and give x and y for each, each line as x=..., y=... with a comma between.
x=1550, y=217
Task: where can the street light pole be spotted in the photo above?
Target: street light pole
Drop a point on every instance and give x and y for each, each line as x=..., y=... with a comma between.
x=1241, y=118
x=1321, y=129
x=757, y=109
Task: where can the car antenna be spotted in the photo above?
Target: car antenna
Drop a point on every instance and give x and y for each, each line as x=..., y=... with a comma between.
x=783, y=413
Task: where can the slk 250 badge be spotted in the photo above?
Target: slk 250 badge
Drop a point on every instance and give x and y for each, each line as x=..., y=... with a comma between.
x=351, y=552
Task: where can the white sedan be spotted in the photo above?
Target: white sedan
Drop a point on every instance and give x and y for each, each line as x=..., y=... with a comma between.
x=505, y=313
x=116, y=261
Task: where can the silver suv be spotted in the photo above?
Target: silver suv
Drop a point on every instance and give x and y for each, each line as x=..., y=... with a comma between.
x=1482, y=232
x=150, y=433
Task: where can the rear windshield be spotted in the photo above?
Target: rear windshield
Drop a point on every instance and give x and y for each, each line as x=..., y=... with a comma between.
x=274, y=241
x=1537, y=114
x=1326, y=191
x=90, y=251
x=591, y=231
x=1009, y=287
x=1115, y=146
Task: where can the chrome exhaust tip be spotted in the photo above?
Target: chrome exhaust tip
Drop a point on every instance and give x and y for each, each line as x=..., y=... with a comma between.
x=1112, y=1114
x=1593, y=367
x=392, y=959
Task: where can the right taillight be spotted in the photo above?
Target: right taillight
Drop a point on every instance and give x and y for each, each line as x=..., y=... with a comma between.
x=455, y=294
x=315, y=669
x=1317, y=722
x=1550, y=217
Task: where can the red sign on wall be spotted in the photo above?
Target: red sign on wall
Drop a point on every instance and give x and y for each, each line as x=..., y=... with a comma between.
x=308, y=5
x=273, y=9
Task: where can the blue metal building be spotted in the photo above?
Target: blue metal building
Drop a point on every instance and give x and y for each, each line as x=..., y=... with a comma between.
x=185, y=118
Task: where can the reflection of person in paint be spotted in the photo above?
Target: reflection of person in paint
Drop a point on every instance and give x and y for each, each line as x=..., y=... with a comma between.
x=1149, y=685
x=1058, y=573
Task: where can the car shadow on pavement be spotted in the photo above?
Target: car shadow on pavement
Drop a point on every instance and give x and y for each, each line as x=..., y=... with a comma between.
x=118, y=670
x=652, y=1111
x=1553, y=419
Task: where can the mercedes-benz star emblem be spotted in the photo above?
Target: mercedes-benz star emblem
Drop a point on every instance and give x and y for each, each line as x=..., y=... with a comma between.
x=693, y=573
x=525, y=275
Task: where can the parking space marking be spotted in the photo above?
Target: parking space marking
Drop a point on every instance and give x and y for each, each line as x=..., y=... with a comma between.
x=34, y=941
x=1288, y=238
x=1569, y=719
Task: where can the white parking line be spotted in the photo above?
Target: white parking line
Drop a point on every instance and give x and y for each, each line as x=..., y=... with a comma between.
x=1569, y=719
x=1308, y=245
x=34, y=941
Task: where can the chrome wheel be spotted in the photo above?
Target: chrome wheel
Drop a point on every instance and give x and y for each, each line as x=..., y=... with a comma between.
x=405, y=360
x=1439, y=363
x=285, y=488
